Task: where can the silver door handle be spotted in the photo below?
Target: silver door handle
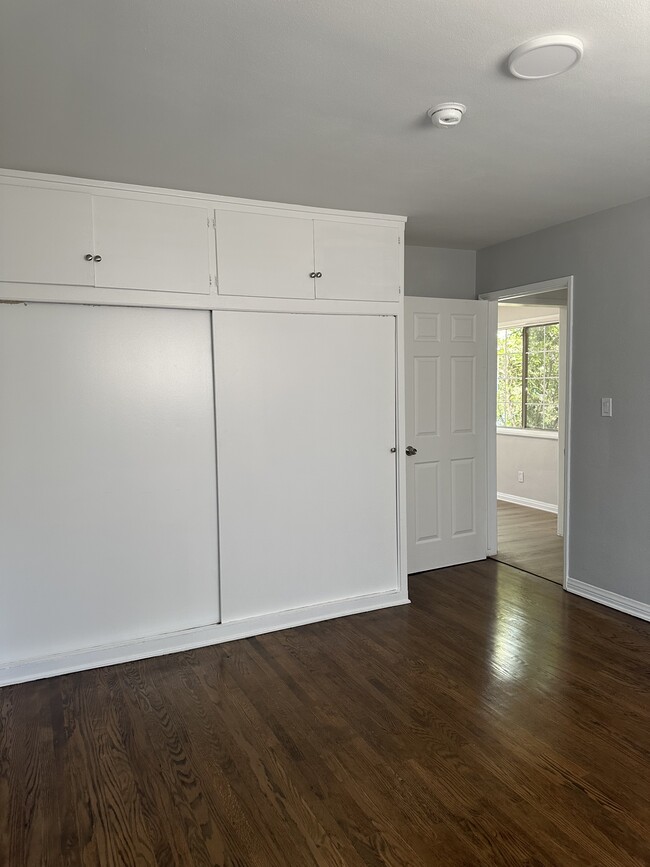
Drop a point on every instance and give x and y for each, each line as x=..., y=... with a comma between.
x=410, y=451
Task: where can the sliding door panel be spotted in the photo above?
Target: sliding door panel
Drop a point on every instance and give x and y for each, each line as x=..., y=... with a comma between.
x=307, y=479
x=107, y=476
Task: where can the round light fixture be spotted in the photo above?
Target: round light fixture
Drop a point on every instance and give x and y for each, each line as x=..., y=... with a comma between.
x=545, y=56
x=447, y=114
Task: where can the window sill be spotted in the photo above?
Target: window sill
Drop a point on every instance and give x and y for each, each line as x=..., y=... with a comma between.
x=534, y=434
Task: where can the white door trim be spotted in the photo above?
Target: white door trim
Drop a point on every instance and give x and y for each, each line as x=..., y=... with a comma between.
x=493, y=298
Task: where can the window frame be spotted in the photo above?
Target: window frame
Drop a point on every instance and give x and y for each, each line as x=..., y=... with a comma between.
x=524, y=324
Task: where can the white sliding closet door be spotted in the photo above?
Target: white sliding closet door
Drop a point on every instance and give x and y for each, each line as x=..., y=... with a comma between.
x=307, y=480
x=107, y=476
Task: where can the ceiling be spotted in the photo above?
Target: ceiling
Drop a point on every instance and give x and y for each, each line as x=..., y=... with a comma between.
x=324, y=103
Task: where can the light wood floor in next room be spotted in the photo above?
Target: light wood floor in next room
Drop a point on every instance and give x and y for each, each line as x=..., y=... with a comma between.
x=495, y=721
x=528, y=539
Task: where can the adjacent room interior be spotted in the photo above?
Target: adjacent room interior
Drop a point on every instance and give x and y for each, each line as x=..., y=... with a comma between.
x=531, y=409
x=323, y=477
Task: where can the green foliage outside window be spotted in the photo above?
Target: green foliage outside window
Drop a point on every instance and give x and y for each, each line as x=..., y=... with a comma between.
x=528, y=377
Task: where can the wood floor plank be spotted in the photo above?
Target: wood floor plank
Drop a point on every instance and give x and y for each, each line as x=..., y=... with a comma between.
x=495, y=721
x=527, y=539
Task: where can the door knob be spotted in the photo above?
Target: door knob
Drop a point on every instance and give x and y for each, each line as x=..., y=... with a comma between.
x=88, y=257
x=313, y=274
x=410, y=451
x=318, y=274
x=97, y=258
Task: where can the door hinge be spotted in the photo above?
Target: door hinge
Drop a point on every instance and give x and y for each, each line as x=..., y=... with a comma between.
x=399, y=241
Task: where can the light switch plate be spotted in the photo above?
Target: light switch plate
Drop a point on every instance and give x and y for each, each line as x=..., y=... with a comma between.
x=606, y=407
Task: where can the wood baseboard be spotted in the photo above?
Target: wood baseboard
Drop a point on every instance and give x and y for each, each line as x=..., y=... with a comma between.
x=188, y=639
x=530, y=504
x=608, y=598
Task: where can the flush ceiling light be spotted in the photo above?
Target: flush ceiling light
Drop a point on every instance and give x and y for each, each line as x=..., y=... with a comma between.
x=545, y=56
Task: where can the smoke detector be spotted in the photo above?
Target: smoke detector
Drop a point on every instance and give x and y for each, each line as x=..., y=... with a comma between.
x=545, y=56
x=447, y=114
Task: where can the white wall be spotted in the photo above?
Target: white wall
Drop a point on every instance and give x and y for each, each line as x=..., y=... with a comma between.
x=511, y=314
x=438, y=272
x=608, y=255
x=537, y=458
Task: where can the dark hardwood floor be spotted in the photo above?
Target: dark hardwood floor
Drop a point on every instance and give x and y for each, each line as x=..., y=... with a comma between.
x=495, y=721
x=528, y=539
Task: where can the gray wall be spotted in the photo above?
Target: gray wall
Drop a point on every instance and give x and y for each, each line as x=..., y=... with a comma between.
x=437, y=272
x=609, y=256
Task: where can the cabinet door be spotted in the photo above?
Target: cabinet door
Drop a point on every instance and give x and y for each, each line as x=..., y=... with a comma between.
x=152, y=245
x=44, y=236
x=264, y=255
x=307, y=480
x=107, y=476
x=357, y=262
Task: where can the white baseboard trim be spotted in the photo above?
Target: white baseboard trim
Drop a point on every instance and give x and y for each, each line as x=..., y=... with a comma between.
x=188, y=639
x=530, y=504
x=606, y=597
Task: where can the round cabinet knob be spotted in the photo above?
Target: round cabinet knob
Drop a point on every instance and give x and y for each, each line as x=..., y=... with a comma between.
x=88, y=257
x=97, y=258
x=410, y=451
x=318, y=274
x=313, y=274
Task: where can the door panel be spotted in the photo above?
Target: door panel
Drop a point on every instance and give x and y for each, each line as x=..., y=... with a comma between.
x=357, y=262
x=152, y=245
x=44, y=236
x=107, y=476
x=426, y=477
x=264, y=256
x=446, y=360
x=307, y=480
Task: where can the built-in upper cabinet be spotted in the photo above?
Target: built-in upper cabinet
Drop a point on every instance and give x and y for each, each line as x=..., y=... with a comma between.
x=45, y=235
x=73, y=233
x=79, y=239
x=264, y=255
x=357, y=261
x=152, y=245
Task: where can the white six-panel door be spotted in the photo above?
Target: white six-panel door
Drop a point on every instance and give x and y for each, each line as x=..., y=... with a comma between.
x=446, y=358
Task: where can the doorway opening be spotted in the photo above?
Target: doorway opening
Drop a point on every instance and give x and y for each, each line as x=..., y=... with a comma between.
x=528, y=416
